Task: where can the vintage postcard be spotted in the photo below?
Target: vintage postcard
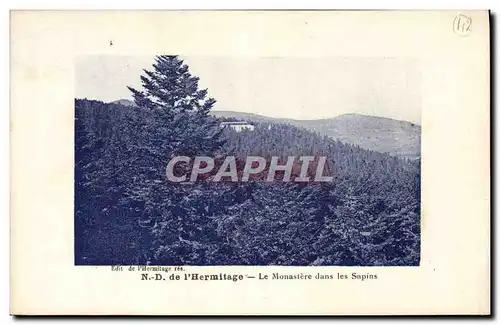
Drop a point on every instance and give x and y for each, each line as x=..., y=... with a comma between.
x=250, y=163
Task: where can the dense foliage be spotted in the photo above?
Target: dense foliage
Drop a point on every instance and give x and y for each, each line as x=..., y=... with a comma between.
x=127, y=213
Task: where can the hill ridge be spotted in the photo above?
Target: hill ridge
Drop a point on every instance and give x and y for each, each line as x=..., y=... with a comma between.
x=229, y=112
x=383, y=134
x=378, y=133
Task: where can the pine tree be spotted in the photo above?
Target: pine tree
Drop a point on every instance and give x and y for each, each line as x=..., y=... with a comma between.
x=173, y=118
x=180, y=107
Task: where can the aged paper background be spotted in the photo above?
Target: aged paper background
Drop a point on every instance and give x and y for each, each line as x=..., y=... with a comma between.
x=454, y=274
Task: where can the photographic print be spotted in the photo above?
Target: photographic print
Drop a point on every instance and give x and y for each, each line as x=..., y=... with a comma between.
x=247, y=161
x=250, y=162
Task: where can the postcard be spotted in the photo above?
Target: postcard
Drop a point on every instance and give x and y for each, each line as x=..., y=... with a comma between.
x=250, y=163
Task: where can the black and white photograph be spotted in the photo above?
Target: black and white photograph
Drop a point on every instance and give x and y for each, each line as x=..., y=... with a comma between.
x=247, y=161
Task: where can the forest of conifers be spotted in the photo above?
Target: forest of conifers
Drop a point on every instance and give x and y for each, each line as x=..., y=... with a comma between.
x=127, y=213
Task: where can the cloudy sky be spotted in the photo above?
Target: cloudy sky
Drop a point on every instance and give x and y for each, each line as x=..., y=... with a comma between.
x=298, y=88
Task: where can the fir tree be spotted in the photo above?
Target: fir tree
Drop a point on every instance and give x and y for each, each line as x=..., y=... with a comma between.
x=179, y=107
x=173, y=119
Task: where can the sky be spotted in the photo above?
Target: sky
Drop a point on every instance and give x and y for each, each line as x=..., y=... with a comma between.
x=284, y=87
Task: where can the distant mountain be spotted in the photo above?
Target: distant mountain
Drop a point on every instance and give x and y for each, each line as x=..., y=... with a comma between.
x=400, y=138
x=251, y=117
x=124, y=102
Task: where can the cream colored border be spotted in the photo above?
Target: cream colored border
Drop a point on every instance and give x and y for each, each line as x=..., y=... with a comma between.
x=454, y=272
